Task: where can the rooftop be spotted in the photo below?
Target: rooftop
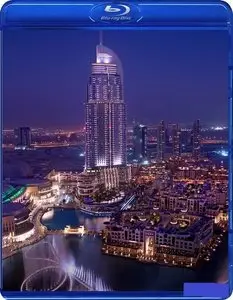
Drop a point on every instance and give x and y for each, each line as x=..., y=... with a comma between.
x=161, y=222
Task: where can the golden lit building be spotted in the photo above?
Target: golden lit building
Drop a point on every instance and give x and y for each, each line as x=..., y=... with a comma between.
x=159, y=237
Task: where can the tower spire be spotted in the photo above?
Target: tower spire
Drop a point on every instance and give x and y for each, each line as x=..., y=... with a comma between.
x=101, y=37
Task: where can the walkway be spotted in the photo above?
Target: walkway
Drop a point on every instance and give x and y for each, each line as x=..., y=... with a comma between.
x=126, y=204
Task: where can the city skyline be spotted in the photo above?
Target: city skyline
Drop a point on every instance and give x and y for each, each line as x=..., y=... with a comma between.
x=81, y=127
x=139, y=85
x=154, y=195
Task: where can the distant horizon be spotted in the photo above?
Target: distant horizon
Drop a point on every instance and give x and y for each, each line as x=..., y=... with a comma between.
x=182, y=125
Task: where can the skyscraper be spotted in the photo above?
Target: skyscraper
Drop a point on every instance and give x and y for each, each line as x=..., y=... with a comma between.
x=161, y=141
x=105, y=112
x=140, y=143
x=23, y=137
x=176, y=146
x=185, y=140
x=196, y=139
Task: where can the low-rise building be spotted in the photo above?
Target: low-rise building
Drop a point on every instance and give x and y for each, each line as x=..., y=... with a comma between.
x=87, y=184
x=16, y=223
x=159, y=237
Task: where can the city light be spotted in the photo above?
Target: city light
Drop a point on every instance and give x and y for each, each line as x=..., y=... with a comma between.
x=219, y=128
x=154, y=193
x=222, y=152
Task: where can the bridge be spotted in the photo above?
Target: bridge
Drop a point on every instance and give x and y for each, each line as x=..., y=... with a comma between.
x=53, y=145
x=97, y=213
x=65, y=232
x=124, y=206
x=127, y=203
x=214, y=142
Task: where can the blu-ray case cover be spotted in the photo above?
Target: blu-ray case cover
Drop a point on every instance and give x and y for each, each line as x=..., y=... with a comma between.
x=116, y=149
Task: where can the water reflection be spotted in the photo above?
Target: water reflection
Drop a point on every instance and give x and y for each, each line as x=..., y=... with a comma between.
x=112, y=272
x=59, y=218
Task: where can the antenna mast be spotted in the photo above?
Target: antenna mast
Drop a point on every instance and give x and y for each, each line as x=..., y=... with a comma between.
x=101, y=37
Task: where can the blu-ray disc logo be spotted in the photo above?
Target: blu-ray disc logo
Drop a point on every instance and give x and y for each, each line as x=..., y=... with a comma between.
x=118, y=13
x=111, y=9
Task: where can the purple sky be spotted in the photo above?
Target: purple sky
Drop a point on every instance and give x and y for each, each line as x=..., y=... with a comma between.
x=177, y=76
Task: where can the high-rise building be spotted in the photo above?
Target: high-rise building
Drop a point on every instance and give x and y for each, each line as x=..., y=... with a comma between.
x=107, y=177
x=161, y=141
x=176, y=145
x=196, y=139
x=185, y=140
x=23, y=137
x=140, y=143
x=105, y=112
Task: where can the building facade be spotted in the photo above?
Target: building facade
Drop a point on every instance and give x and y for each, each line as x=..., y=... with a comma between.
x=176, y=145
x=140, y=143
x=23, y=137
x=105, y=112
x=196, y=139
x=161, y=141
x=169, y=244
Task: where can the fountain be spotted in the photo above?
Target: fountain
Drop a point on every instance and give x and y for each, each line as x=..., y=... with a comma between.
x=48, y=268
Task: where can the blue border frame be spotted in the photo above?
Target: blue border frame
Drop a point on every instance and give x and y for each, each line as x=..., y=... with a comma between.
x=156, y=16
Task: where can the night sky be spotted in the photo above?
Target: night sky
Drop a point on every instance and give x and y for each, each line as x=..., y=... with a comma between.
x=176, y=76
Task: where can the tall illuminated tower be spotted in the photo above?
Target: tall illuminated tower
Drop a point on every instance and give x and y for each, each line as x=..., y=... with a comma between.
x=140, y=143
x=161, y=139
x=196, y=139
x=105, y=112
x=176, y=149
x=23, y=137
